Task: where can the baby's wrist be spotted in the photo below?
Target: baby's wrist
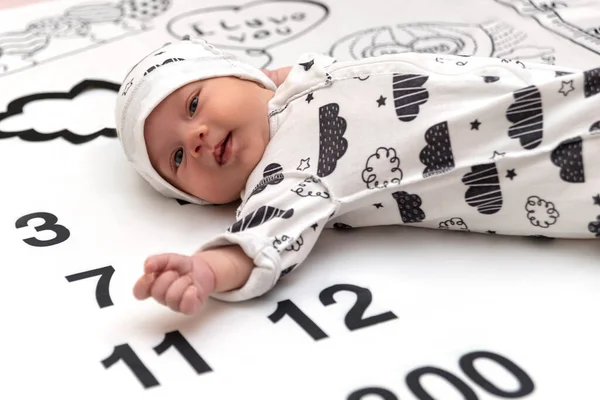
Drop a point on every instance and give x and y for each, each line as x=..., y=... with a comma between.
x=204, y=272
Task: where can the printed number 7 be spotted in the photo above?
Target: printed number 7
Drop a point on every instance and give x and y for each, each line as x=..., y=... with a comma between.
x=102, y=287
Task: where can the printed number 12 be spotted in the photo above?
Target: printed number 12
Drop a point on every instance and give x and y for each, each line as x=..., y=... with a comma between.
x=354, y=318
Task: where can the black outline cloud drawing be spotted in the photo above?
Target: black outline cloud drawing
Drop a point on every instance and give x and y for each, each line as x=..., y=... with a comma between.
x=310, y=187
x=455, y=223
x=16, y=107
x=252, y=28
x=541, y=212
x=382, y=169
x=289, y=242
x=79, y=28
x=488, y=39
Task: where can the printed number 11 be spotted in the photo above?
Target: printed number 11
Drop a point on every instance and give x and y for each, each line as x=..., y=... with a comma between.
x=175, y=339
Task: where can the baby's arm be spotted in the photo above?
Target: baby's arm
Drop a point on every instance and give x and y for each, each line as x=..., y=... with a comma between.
x=183, y=283
x=276, y=229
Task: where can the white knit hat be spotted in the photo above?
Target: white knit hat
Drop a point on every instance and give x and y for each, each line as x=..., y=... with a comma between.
x=154, y=78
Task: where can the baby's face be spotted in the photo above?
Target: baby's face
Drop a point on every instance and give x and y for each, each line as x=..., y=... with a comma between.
x=184, y=135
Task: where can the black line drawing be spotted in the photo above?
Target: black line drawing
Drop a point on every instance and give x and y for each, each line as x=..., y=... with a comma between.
x=79, y=28
x=562, y=18
x=540, y=212
x=488, y=39
x=252, y=29
x=16, y=107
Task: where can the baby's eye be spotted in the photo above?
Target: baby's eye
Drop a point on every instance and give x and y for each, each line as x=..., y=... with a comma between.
x=177, y=157
x=193, y=106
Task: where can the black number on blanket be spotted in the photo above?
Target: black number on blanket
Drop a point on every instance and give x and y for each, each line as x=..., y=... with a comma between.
x=102, y=287
x=383, y=393
x=50, y=224
x=287, y=307
x=354, y=317
x=125, y=352
x=467, y=365
x=174, y=339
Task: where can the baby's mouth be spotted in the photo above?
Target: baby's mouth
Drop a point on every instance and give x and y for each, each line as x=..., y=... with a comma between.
x=223, y=147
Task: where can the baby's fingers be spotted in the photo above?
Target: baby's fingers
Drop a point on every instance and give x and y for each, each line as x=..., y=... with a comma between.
x=175, y=292
x=168, y=261
x=189, y=301
x=162, y=284
x=141, y=289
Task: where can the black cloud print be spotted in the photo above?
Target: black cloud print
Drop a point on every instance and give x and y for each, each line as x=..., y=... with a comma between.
x=569, y=158
x=15, y=108
x=409, y=95
x=594, y=227
x=437, y=154
x=260, y=216
x=591, y=82
x=455, y=223
x=527, y=117
x=484, y=188
x=332, y=143
x=307, y=188
x=271, y=176
x=540, y=212
x=382, y=169
x=409, y=206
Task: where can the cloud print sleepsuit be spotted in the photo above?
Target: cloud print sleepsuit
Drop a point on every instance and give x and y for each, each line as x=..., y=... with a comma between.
x=446, y=142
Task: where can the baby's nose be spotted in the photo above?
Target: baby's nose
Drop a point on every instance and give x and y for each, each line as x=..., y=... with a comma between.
x=195, y=143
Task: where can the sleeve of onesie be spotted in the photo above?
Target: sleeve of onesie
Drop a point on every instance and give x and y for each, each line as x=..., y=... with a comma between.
x=277, y=227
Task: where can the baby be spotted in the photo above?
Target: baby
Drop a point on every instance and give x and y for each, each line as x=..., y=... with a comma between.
x=474, y=144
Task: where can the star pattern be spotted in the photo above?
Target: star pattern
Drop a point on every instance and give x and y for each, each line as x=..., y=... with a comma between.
x=309, y=98
x=566, y=87
x=314, y=226
x=510, y=174
x=304, y=164
x=491, y=232
x=596, y=200
x=475, y=125
x=378, y=205
x=381, y=101
x=493, y=157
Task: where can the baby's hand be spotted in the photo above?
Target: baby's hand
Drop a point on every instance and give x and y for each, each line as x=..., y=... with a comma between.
x=180, y=282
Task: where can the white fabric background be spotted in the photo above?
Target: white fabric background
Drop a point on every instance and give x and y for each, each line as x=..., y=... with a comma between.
x=529, y=300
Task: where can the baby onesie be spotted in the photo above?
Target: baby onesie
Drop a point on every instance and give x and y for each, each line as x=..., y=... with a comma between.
x=485, y=145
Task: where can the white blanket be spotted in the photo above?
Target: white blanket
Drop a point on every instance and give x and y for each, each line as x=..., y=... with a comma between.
x=375, y=313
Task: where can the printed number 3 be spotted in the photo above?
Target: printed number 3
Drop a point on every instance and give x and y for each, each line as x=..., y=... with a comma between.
x=50, y=224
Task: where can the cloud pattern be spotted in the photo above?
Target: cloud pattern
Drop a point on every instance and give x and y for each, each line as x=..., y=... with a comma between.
x=332, y=143
x=382, y=169
x=541, y=213
x=86, y=110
